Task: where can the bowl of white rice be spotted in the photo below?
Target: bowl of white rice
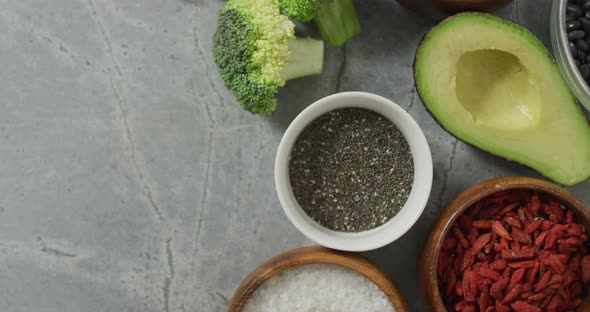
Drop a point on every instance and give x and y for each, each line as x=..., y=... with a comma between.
x=317, y=279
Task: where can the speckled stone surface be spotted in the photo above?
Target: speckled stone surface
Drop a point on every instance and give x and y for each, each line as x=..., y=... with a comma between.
x=132, y=181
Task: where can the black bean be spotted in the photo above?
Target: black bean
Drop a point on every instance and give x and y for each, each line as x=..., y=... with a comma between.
x=584, y=23
x=582, y=45
x=573, y=49
x=581, y=56
x=576, y=34
x=587, y=61
x=577, y=63
x=573, y=25
x=585, y=71
x=587, y=14
x=586, y=4
x=569, y=17
x=574, y=9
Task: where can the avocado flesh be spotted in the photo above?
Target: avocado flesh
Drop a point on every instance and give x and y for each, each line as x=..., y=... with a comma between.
x=492, y=84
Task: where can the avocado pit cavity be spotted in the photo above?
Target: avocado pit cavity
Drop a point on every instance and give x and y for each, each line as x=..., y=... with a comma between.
x=497, y=90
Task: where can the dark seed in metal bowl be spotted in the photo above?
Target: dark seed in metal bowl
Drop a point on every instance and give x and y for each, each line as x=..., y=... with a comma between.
x=585, y=71
x=569, y=18
x=582, y=45
x=576, y=34
x=574, y=9
x=573, y=49
x=573, y=25
x=584, y=23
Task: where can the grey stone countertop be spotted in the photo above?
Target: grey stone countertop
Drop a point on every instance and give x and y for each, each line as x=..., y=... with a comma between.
x=133, y=181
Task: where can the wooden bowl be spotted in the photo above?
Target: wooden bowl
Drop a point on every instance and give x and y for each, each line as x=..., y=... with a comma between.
x=428, y=267
x=310, y=255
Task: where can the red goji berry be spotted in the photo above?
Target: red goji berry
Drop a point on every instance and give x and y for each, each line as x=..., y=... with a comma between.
x=517, y=254
x=537, y=297
x=520, y=236
x=464, y=242
x=516, y=277
x=521, y=306
x=500, y=230
x=512, y=294
x=482, y=224
x=498, y=265
x=585, y=269
x=543, y=282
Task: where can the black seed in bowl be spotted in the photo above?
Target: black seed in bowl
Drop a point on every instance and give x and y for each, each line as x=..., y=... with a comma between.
x=576, y=34
x=582, y=45
x=577, y=26
x=573, y=49
x=574, y=9
x=573, y=25
x=569, y=18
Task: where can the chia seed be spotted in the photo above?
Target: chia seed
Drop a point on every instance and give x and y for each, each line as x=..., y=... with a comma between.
x=351, y=170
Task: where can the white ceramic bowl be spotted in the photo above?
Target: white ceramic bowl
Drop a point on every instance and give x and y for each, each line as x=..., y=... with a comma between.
x=406, y=217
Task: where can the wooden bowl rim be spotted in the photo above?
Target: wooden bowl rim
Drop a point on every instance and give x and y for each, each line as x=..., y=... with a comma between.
x=316, y=255
x=428, y=272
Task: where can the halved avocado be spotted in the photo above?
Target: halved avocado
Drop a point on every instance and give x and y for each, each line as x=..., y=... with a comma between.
x=491, y=83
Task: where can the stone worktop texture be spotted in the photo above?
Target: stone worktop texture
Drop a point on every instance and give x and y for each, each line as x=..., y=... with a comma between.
x=133, y=181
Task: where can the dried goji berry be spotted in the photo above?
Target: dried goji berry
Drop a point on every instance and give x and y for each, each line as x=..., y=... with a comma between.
x=532, y=273
x=533, y=226
x=468, y=259
x=520, y=236
x=502, y=308
x=585, y=269
x=517, y=254
x=513, y=221
x=498, y=286
x=540, y=239
x=522, y=264
x=451, y=281
x=553, y=262
x=535, y=203
x=512, y=294
x=498, y=265
x=536, y=297
x=484, y=299
x=482, y=224
x=500, y=230
x=488, y=273
x=516, y=278
x=521, y=306
x=554, y=304
x=546, y=225
x=543, y=282
x=464, y=242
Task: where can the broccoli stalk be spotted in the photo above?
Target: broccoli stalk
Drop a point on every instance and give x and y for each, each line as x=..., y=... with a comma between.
x=306, y=58
x=336, y=19
x=256, y=51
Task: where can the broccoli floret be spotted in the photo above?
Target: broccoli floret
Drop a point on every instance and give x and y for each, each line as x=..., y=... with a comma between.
x=256, y=51
x=336, y=19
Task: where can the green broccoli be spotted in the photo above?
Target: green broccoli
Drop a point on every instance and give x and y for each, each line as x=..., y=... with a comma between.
x=256, y=51
x=335, y=19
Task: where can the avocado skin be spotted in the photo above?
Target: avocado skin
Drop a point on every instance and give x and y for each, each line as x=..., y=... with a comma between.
x=544, y=49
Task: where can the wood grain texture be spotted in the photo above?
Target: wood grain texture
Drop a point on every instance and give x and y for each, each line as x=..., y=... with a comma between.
x=314, y=255
x=428, y=272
